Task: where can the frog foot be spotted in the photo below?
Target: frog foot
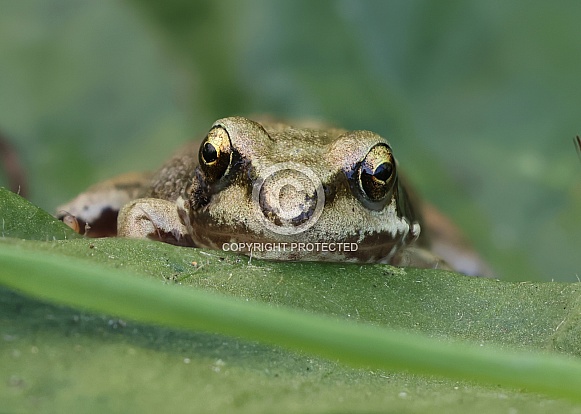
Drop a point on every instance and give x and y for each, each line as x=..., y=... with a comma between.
x=155, y=219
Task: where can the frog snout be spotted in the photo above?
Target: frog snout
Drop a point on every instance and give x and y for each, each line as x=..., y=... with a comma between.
x=290, y=197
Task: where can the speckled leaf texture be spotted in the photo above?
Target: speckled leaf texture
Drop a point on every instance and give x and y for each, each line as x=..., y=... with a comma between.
x=126, y=347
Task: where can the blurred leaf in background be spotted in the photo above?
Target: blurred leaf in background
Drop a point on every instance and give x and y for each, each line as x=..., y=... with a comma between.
x=479, y=99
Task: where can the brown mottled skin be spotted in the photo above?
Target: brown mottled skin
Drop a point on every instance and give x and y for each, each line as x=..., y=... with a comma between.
x=227, y=190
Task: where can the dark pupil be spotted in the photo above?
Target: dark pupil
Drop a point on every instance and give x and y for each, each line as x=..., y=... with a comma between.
x=383, y=171
x=209, y=153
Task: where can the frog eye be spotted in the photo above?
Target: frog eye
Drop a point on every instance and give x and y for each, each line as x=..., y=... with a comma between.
x=216, y=153
x=377, y=173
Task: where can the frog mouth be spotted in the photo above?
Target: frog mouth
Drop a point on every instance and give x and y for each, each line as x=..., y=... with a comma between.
x=295, y=248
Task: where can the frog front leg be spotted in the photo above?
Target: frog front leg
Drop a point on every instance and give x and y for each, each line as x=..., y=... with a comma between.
x=156, y=219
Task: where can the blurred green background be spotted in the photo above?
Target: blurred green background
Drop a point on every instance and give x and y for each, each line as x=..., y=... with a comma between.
x=480, y=100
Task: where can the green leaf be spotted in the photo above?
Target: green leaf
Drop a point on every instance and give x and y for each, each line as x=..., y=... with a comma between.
x=74, y=283
x=389, y=322
x=20, y=219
